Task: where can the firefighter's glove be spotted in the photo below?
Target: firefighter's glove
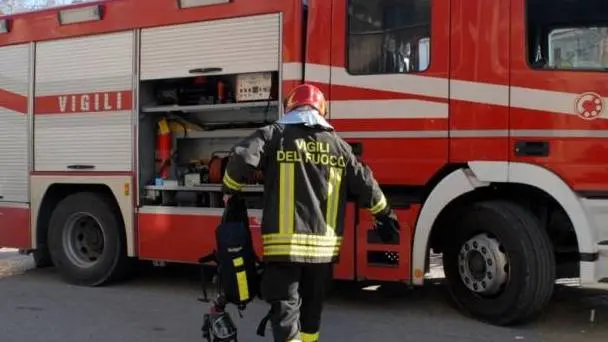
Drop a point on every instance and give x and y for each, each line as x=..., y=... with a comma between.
x=387, y=227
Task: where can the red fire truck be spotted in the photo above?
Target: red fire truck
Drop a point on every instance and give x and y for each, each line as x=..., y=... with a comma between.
x=484, y=121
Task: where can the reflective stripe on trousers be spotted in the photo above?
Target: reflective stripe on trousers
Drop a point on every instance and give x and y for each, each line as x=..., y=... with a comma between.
x=305, y=337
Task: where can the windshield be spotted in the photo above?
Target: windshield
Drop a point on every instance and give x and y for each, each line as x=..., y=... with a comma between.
x=568, y=34
x=579, y=48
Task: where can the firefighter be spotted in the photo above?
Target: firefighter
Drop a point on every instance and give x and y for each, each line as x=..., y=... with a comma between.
x=308, y=171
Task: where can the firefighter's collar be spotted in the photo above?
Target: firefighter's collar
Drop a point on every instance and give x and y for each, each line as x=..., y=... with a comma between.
x=306, y=117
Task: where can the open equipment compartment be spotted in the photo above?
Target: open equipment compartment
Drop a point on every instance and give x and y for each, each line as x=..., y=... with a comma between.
x=224, y=84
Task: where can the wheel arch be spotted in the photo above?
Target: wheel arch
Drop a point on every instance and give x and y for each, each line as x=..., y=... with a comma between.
x=48, y=192
x=465, y=183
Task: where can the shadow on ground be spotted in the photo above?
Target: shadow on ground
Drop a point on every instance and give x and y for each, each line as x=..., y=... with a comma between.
x=570, y=312
x=421, y=312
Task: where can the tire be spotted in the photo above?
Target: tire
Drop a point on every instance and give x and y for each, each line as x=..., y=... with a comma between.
x=77, y=225
x=511, y=236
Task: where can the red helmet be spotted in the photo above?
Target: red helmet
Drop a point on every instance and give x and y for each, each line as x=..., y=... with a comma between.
x=303, y=95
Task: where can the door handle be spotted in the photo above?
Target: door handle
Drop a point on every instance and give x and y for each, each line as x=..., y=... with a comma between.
x=205, y=70
x=81, y=167
x=532, y=148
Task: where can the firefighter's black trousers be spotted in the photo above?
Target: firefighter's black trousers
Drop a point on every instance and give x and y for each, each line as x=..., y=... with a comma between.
x=296, y=293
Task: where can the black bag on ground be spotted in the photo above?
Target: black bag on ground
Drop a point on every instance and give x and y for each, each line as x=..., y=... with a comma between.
x=237, y=263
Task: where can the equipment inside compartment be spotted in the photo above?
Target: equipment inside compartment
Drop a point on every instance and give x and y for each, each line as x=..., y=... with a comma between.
x=189, y=125
x=212, y=90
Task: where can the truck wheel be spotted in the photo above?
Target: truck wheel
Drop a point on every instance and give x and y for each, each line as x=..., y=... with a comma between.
x=500, y=266
x=86, y=240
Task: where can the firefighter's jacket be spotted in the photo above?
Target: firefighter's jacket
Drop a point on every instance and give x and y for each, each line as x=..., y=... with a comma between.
x=308, y=172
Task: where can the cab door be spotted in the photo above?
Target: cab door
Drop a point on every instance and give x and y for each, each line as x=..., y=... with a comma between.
x=559, y=93
x=389, y=85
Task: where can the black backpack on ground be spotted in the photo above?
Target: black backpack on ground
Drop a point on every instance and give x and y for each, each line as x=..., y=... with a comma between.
x=237, y=264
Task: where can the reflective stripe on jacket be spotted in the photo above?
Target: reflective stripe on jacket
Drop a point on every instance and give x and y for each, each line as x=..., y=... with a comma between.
x=308, y=173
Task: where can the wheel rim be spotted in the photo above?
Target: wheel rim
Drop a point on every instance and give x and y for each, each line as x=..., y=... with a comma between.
x=483, y=265
x=83, y=239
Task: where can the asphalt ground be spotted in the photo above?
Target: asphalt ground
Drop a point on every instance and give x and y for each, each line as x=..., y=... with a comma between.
x=160, y=304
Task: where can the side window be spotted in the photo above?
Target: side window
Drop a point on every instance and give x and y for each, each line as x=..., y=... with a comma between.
x=388, y=36
x=567, y=35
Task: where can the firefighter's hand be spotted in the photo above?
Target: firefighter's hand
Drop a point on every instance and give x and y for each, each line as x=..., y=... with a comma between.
x=387, y=227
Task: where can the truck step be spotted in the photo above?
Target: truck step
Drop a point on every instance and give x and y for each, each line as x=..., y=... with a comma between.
x=602, y=248
x=602, y=264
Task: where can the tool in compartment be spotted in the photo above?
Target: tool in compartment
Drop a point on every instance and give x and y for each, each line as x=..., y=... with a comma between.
x=164, y=146
x=196, y=173
x=168, y=127
x=200, y=90
x=221, y=92
x=217, y=166
x=192, y=179
x=253, y=87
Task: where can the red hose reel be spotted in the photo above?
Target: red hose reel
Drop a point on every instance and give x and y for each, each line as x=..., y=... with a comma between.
x=217, y=167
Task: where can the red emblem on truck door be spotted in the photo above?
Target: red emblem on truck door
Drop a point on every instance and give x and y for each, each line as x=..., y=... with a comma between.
x=589, y=106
